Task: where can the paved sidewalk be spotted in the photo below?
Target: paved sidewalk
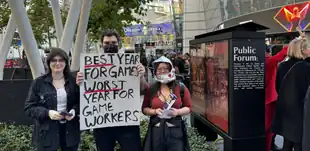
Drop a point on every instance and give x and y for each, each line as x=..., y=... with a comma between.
x=279, y=142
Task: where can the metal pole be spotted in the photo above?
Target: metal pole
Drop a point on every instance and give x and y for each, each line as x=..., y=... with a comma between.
x=6, y=44
x=70, y=27
x=57, y=20
x=26, y=34
x=81, y=34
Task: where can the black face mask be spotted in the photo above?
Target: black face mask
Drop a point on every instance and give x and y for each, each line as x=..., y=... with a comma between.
x=110, y=48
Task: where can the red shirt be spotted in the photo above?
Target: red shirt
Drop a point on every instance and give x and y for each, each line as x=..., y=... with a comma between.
x=157, y=103
x=271, y=71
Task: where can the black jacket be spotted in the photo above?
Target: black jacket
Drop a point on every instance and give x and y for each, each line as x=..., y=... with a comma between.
x=283, y=68
x=288, y=120
x=42, y=97
x=306, y=130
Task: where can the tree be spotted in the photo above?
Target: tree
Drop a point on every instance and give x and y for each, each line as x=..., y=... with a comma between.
x=41, y=19
x=42, y=22
x=5, y=13
x=5, y=17
x=111, y=14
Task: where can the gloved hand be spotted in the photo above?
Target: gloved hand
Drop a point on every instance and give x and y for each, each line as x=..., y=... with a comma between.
x=69, y=118
x=54, y=115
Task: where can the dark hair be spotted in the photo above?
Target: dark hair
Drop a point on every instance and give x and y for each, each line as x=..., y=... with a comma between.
x=156, y=86
x=61, y=53
x=110, y=33
x=267, y=48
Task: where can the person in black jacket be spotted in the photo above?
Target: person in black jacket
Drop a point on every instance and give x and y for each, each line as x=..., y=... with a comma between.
x=293, y=79
x=53, y=103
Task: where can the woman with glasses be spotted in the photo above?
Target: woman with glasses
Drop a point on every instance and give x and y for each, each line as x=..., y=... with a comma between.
x=53, y=103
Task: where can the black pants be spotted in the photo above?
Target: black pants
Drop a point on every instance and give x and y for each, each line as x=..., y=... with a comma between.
x=273, y=143
x=62, y=138
x=173, y=139
x=289, y=145
x=127, y=136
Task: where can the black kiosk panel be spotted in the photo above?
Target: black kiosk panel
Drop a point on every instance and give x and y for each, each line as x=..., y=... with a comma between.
x=228, y=84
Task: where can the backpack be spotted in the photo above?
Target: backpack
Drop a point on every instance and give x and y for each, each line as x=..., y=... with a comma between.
x=182, y=86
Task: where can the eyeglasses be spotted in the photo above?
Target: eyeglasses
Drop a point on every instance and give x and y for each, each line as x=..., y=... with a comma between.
x=162, y=70
x=57, y=60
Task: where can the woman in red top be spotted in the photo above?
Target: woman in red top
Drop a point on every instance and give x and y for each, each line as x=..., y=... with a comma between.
x=164, y=105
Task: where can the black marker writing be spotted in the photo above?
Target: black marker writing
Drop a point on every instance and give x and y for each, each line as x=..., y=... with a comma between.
x=109, y=71
x=97, y=109
x=97, y=95
x=104, y=85
x=95, y=60
x=123, y=116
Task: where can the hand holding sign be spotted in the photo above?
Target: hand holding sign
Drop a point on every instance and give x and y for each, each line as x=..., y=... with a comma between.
x=141, y=70
x=79, y=78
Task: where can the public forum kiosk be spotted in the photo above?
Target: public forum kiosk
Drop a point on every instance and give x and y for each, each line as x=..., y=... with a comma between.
x=227, y=85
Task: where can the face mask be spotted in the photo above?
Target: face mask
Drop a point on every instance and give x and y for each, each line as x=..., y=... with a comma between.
x=110, y=48
x=166, y=78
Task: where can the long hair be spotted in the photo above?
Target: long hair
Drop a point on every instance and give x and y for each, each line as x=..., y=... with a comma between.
x=61, y=53
x=156, y=86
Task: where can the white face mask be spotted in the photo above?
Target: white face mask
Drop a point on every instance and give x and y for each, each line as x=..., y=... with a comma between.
x=166, y=78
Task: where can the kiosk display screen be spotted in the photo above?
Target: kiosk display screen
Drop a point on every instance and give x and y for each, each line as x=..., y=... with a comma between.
x=197, y=54
x=216, y=83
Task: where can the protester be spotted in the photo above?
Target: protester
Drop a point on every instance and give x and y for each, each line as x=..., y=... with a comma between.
x=180, y=64
x=293, y=79
x=127, y=136
x=187, y=62
x=270, y=90
x=53, y=103
x=151, y=60
x=166, y=130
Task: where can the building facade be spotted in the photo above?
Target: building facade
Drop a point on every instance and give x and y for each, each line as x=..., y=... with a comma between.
x=201, y=16
x=160, y=29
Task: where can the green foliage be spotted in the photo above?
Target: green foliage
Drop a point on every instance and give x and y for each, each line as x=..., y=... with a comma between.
x=42, y=22
x=41, y=19
x=18, y=138
x=15, y=138
x=110, y=14
x=105, y=14
x=5, y=13
x=40, y=16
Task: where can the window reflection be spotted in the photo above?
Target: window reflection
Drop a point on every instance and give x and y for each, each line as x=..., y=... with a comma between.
x=234, y=8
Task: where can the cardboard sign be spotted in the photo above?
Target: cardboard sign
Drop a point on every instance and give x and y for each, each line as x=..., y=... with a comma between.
x=110, y=93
